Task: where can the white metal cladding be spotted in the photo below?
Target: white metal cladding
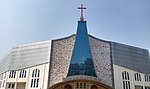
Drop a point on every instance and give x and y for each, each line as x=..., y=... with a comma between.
x=26, y=56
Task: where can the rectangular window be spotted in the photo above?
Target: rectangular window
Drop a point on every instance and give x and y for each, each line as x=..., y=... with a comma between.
x=12, y=86
x=33, y=73
x=10, y=74
x=32, y=83
x=14, y=74
x=20, y=75
x=126, y=85
x=37, y=82
x=122, y=75
x=25, y=74
x=9, y=85
x=135, y=76
x=145, y=77
x=125, y=76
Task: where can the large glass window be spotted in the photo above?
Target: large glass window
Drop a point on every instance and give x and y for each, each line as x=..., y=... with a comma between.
x=137, y=77
x=22, y=74
x=147, y=77
x=11, y=86
x=81, y=61
x=35, y=78
x=126, y=80
x=12, y=74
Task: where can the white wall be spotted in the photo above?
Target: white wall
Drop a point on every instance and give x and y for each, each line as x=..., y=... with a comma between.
x=118, y=78
x=26, y=82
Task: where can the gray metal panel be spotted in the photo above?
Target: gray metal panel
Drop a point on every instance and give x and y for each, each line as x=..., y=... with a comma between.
x=26, y=56
x=131, y=57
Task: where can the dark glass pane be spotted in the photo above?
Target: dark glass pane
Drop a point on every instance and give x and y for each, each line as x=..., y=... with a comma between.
x=129, y=84
x=20, y=74
x=37, y=83
x=12, y=86
x=128, y=75
x=135, y=76
x=14, y=73
x=81, y=61
x=31, y=82
x=10, y=74
x=34, y=82
x=25, y=73
x=124, y=85
x=9, y=85
x=123, y=75
x=38, y=74
x=33, y=73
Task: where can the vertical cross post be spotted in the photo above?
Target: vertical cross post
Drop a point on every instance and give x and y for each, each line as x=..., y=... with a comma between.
x=82, y=8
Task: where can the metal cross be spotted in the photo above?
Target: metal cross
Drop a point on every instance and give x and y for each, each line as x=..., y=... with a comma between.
x=81, y=18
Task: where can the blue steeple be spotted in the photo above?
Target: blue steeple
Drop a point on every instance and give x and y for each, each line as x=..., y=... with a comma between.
x=81, y=61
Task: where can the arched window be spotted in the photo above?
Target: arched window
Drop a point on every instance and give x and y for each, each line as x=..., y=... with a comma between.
x=35, y=78
x=94, y=87
x=137, y=77
x=126, y=80
x=38, y=73
x=67, y=86
x=22, y=74
x=33, y=73
x=147, y=77
x=12, y=74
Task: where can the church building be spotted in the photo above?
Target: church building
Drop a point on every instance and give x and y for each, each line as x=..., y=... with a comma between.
x=79, y=61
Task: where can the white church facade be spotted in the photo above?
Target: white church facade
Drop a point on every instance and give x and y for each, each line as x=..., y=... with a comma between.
x=79, y=61
x=26, y=67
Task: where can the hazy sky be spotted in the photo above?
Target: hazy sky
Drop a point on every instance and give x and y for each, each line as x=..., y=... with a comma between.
x=27, y=21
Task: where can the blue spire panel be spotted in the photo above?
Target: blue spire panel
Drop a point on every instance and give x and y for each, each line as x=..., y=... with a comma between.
x=81, y=61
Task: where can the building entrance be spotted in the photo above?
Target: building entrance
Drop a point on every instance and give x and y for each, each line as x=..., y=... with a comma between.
x=21, y=85
x=80, y=84
x=138, y=87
